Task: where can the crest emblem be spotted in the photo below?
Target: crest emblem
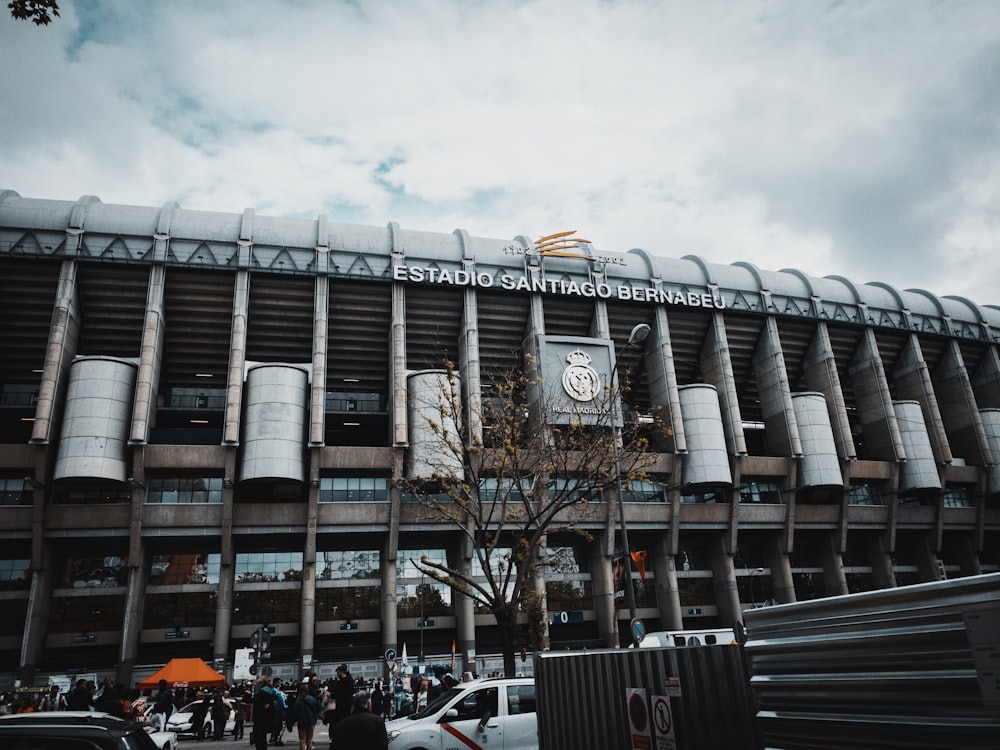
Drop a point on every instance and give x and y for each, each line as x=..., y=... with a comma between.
x=580, y=381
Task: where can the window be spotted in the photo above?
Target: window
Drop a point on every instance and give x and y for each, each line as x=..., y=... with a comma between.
x=350, y=603
x=94, y=572
x=956, y=497
x=361, y=401
x=353, y=490
x=15, y=574
x=568, y=596
x=708, y=496
x=638, y=491
x=184, y=569
x=258, y=567
x=172, y=490
x=476, y=703
x=760, y=492
x=864, y=494
x=520, y=699
x=493, y=489
x=416, y=594
x=341, y=565
x=15, y=492
x=90, y=492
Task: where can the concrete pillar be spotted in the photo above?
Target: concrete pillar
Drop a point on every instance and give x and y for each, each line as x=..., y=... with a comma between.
x=775, y=393
x=911, y=380
x=883, y=576
x=390, y=627
x=132, y=620
x=782, y=583
x=727, y=595
x=307, y=625
x=150, y=358
x=465, y=622
x=874, y=402
x=959, y=410
x=834, y=578
x=604, y=595
x=237, y=358
x=668, y=598
x=819, y=367
x=717, y=369
x=64, y=338
x=321, y=321
x=661, y=375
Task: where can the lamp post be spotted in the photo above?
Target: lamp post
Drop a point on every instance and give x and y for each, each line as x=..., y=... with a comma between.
x=637, y=336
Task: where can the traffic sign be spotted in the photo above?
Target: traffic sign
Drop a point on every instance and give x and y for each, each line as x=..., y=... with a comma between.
x=638, y=631
x=261, y=639
x=390, y=654
x=663, y=724
x=638, y=719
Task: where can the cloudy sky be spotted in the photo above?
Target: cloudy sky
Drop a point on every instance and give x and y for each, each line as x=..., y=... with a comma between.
x=851, y=138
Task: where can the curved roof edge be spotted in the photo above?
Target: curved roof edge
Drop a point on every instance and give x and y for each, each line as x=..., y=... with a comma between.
x=834, y=297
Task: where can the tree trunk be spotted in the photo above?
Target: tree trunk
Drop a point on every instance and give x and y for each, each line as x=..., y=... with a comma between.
x=507, y=625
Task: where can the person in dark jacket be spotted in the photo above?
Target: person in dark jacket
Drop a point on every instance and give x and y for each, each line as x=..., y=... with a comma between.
x=342, y=694
x=80, y=698
x=263, y=714
x=304, y=713
x=362, y=730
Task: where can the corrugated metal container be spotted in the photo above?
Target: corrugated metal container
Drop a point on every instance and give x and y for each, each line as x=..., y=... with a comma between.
x=582, y=696
x=882, y=669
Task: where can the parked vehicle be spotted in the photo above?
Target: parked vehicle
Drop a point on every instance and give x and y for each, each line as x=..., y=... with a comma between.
x=453, y=719
x=182, y=721
x=683, y=638
x=83, y=730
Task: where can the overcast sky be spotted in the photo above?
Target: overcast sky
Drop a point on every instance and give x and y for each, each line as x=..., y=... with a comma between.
x=852, y=138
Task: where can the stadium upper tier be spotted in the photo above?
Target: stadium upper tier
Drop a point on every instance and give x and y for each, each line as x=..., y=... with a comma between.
x=90, y=229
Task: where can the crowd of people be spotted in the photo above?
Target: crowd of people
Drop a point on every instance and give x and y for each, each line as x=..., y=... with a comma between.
x=354, y=710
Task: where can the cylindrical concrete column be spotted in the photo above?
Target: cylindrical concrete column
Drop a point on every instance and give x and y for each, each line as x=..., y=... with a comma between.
x=96, y=420
x=707, y=462
x=820, y=464
x=919, y=471
x=991, y=425
x=275, y=423
x=434, y=416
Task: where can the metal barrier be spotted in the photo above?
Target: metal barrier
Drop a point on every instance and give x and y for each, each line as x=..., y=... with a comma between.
x=883, y=669
x=582, y=696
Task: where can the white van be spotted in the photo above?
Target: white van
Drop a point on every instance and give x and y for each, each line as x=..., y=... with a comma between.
x=453, y=720
x=684, y=638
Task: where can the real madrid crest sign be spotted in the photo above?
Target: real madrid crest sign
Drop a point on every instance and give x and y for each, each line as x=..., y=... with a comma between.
x=580, y=381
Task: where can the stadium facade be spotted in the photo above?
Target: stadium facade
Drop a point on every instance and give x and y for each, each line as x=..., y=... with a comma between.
x=203, y=414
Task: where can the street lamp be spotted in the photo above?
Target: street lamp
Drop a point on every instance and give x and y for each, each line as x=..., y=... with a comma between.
x=637, y=336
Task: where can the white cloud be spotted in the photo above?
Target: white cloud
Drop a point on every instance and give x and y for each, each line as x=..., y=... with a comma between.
x=846, y=137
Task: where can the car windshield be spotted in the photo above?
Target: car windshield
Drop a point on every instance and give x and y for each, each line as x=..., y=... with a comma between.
x=437, y=704
x=190, y=707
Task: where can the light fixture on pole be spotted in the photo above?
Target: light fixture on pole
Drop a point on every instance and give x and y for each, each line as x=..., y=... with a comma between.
x=637, y=336
x=753, y=597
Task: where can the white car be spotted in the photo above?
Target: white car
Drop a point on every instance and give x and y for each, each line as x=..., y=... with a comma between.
x=182, y=721
x=454, y=719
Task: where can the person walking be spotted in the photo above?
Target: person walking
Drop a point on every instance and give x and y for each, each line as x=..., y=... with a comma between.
x=342, y=694
x=221, y=706
x=304, y=714
x=362, y=730
x=263, y=714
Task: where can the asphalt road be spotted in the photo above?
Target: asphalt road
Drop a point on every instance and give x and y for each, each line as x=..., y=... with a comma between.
x=321, y=741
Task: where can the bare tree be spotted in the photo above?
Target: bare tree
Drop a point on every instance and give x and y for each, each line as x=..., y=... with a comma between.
x=509, y=485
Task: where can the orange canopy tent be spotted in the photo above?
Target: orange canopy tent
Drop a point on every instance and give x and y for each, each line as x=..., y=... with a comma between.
x=184, y=673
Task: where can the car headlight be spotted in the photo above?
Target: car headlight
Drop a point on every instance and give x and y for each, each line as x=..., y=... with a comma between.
x=394, y=734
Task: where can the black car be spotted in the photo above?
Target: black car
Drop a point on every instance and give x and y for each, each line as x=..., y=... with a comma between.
x=72, y=730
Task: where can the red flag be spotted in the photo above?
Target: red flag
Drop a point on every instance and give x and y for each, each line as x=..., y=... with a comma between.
x=639, y=558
